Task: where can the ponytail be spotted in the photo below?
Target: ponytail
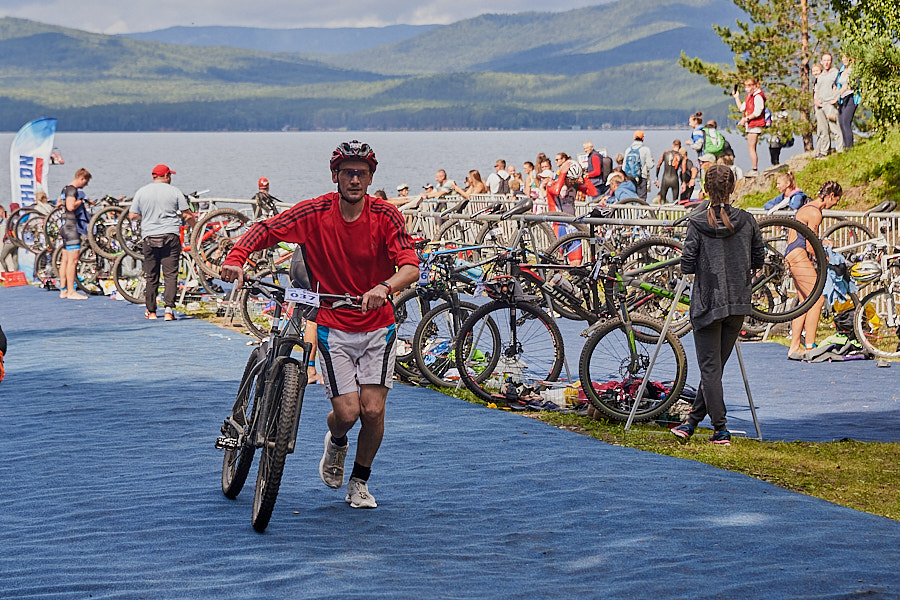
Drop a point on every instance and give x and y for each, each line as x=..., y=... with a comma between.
x=719, y=186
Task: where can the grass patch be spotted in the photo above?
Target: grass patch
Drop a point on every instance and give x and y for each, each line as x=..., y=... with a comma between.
x=869, y=173
x=861, y=475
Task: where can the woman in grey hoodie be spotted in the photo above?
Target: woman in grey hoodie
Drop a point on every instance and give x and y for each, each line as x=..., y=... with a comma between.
x=723, y=247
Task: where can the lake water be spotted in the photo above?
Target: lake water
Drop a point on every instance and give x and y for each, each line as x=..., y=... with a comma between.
x=296, y=163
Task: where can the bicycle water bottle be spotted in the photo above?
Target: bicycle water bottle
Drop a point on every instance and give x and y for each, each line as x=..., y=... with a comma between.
x=559, y=281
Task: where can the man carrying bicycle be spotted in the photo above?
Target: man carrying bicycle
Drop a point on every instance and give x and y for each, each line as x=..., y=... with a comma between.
x=357, y=244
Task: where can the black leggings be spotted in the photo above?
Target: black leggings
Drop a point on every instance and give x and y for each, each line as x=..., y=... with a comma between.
x=713, y=344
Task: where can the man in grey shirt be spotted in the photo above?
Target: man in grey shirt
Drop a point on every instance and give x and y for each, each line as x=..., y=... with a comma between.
x=826, y=99
x=160, y=207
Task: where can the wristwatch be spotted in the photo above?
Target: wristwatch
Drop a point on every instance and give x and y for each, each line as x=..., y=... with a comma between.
x=389, y=287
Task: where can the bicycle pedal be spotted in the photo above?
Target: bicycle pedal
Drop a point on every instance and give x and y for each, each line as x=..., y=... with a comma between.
x=227, y=443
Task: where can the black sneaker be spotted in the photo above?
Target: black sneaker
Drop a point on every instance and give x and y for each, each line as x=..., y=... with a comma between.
x=683, y=432
x=722, y=438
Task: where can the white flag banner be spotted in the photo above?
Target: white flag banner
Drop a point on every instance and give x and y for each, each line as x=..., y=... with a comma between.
x=29, y=160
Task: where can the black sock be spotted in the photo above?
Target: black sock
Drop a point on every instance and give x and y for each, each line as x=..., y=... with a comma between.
x=342, y=441
x=360, y=472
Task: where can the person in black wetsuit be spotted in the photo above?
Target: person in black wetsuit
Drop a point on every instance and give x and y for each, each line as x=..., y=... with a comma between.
x=672, y=165
x=75, y=225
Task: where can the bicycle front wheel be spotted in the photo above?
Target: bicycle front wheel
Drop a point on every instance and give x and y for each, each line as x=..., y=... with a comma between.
x=776, y=275
x=507, y=343
x=876, y=323
x=284, y=406
x=409, y=308
x=434, y=341
x=613, y=364
x=236, y=462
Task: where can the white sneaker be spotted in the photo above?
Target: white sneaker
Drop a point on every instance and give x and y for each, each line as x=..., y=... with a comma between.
x=331, y=467
x=358, y=494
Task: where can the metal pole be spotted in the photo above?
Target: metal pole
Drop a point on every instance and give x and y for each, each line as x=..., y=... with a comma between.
x=737, y=348
x=662, y=338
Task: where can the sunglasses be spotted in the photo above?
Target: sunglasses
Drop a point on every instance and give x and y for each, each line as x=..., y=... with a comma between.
x=351, y=173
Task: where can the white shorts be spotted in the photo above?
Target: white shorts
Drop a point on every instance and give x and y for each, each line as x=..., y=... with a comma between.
x=754, y=130
x=350, y=360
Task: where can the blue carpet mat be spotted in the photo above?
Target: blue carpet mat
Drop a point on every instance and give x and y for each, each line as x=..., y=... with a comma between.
x=111, y=490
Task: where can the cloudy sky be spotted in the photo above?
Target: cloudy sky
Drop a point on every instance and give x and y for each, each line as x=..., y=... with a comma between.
x=129, y=16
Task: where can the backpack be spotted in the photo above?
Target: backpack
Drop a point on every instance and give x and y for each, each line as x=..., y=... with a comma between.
x=632, y=164
x=503, y=188
x=767, y=114
x=714, y=142
x=606, y=169
x=798, y=199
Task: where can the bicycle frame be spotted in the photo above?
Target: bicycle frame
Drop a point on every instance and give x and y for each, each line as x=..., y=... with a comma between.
x=274, y=351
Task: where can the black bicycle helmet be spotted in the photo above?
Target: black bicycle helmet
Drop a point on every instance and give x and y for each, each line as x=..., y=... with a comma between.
x=353, y=149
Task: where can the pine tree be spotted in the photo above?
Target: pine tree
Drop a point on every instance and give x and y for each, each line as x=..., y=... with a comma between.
x=775, y=47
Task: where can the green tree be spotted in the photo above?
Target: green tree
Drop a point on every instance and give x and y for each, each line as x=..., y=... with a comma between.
x=775, y=47
x=870, y=34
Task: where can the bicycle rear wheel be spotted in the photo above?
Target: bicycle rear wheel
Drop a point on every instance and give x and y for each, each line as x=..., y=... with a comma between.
x=214, y=236
x=128, y=234
x=876, y=323
x=776, y=276
x=257, y=309
x=644, y=253
x=284, y=405
x=102, y=232
x=528, y=351
x=847, y=232
x=128, y=277
x=611, y=373
x=236, y=462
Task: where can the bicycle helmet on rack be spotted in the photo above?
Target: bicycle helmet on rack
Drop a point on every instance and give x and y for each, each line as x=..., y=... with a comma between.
x=575, y=172
x=353, y=150
x=866, y=271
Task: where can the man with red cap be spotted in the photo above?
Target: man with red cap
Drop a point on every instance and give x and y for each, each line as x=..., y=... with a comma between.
x=265, y=202
x=161, y=207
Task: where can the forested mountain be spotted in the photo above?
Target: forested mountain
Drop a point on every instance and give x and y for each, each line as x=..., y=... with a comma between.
x=339, y=40
x=608, y=65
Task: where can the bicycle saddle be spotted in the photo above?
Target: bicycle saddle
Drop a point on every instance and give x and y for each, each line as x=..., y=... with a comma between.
x=885, y=207
x=298, y=272
x=520, y=208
